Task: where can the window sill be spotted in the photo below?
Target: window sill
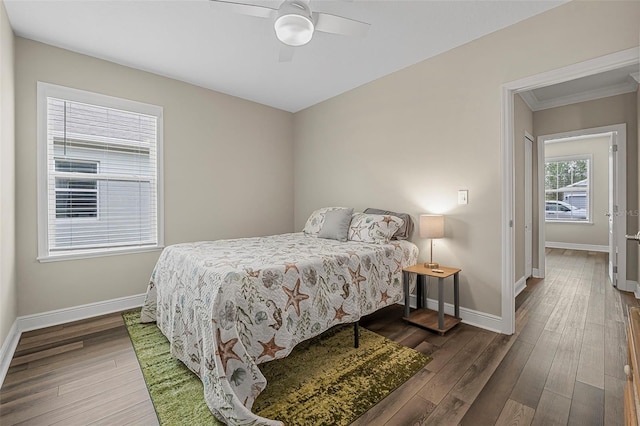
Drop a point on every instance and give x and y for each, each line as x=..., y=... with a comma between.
x=573, y=222
x=96, y=253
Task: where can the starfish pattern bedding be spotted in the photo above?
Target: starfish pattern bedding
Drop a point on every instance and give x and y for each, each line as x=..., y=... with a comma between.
x=226, y=306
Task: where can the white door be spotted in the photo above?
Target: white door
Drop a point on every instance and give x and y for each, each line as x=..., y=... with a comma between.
x=528, y=209
x=613, y=247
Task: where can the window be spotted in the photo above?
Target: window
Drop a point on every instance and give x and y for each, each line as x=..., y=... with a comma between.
x=76, y=197
x=567, y=189
x=98, y=174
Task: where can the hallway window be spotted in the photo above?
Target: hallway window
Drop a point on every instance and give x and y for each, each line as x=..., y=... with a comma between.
x=567, y=189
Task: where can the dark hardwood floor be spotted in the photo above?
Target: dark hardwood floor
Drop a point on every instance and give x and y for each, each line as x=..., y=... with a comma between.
x=566, y=366
x=563, y=366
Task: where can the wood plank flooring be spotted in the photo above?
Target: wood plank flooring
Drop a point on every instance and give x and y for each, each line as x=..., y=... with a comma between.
x=82, y=373
x=563, y=366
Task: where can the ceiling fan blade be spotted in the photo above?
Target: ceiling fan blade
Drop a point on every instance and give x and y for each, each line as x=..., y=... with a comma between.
x=244, y=9
x=339, y=25
x=286, y=53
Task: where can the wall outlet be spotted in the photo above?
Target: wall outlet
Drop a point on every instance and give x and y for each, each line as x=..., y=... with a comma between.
x=463, y=196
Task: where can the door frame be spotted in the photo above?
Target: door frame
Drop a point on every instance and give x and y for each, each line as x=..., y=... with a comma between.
x=508, y=90
x=618, y=136
x=528, y=205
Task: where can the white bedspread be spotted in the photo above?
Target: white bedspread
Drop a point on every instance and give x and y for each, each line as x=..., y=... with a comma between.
x=226, y=306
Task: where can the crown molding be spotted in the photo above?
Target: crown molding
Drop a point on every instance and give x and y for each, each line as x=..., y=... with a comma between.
x=601, y=92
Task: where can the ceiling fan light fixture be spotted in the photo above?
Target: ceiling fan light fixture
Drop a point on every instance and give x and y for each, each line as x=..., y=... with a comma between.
x=294, y=30
x=294, y=25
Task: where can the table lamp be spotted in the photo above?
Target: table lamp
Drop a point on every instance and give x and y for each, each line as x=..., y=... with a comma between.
x=431, y=226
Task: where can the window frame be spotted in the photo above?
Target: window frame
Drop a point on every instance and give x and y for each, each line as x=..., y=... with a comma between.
x=566, y=158
x=46, y=90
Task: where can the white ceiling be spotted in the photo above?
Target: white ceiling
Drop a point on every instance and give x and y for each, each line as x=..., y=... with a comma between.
x=192, y=41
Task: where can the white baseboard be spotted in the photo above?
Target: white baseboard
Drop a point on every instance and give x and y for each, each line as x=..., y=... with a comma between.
x=535, y=273
x=60, y=316
x=75, y=313
x=7, y=350
x=520, y=285
x=469, y=316
x=635, y=287
x=574, y=246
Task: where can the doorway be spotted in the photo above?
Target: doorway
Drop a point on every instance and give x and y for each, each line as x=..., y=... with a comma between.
x=603, y=227
x=571, y=72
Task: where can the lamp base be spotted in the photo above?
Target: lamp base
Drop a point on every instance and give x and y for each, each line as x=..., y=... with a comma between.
x=431, y=265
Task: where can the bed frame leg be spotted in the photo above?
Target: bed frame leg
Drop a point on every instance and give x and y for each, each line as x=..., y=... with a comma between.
x=356, y=335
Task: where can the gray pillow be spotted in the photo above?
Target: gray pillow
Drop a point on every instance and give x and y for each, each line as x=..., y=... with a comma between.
x=405, y=231
x=336, y=224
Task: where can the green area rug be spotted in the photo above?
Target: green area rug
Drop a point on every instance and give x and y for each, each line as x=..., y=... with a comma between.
x=324, y=381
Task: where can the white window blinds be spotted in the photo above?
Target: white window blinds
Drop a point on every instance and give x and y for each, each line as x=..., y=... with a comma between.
x=101, y=176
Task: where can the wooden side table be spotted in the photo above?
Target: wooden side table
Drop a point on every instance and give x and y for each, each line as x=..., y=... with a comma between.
x=427, y=318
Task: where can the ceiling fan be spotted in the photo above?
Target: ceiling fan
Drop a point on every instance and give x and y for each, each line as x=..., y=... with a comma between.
x=295, y=23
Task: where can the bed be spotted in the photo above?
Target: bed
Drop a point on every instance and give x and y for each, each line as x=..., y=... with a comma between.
x=226, y=306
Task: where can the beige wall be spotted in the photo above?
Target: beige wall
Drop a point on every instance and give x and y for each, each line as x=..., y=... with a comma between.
x=638, y=212
x=596, y=232
x=409, y=141
x=8, y=291
x=228, y=172
x=523, y=122
x=602, y=112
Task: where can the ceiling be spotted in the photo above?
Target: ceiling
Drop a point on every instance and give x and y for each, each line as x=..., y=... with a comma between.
x=193, y=41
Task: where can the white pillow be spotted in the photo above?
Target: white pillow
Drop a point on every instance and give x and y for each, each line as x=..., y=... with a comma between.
x=316, y=220
x=373, y=228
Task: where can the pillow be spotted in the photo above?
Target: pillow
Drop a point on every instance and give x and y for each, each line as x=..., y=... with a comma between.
x=373, y=228
x=316, y=220
x=336, y=224
x=405, y=231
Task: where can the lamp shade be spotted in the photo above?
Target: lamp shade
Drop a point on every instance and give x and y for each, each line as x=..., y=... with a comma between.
x=431, y=226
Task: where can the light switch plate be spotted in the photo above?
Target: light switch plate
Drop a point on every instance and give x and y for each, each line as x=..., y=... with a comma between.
x=463, y=196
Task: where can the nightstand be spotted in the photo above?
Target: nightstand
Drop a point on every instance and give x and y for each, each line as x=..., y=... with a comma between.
x=427, y=318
